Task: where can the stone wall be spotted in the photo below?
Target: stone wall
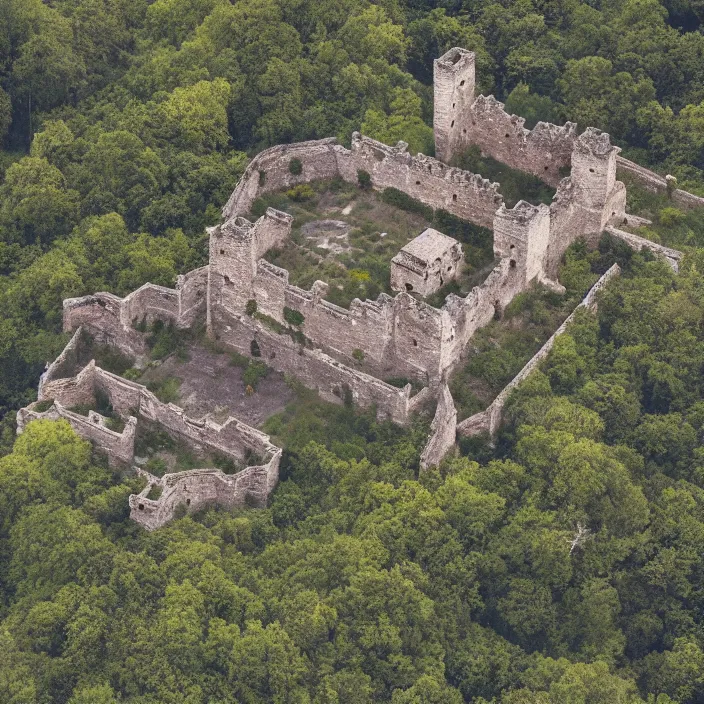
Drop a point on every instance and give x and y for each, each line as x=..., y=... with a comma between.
x=65, y=364
x=489, y=420
x=657, y=184
x=461, y=193
x=460, y=120
x=119, y=447
x=109, y=318
x=312, y=367
x=443, y=431
x=672, y=256
x=197, y=489
x=133, y=401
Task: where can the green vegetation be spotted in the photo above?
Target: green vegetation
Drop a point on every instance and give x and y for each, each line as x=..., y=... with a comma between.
x=293, y=317
x=253, y=370
x=166, y=390
x=562, y=565
x=355, y=260
x=515, y=185
x=166, y=339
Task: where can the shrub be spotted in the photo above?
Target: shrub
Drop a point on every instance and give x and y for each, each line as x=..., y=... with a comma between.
x=262, y=178
x=167, y=390
x=402, y=200
x=251, y=307
x=44, y=405
x=358, y=354
x=293, y=317
x=239, y=360
x=254, y=348
x=155, y=492
x=254, y=373
x=295, y=166
x=670, y=216
x=463, y=230
x=364, y=179
x=300, y=192
x=258, y=208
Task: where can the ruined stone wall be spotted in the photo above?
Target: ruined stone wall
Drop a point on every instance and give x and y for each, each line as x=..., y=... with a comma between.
x=65, y=364
x=312, y=367
x=71, y=391
x=489, y=420
x=460, y=120
x=461, y=193
x=464, y=194
x=657, y=184
x=672, y=256
x=109, y=318
x=269, y=171
x=443, y=431
x=197, y=489
x=101, y=316
x=119, y=447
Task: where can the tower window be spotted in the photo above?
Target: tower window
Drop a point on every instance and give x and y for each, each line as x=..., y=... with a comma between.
x=452, y=124
x=454, y=197
x=222, y=251
x=513, y=263
x=415, y=343
x=461, y=83
x=409, y=287
x=591, y=171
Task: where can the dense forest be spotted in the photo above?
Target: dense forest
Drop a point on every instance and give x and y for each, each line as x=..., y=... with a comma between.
x=564, y=564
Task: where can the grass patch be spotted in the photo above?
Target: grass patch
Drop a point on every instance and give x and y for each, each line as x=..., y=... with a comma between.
x=166, y=390
x=43, y=406
x=515, y=185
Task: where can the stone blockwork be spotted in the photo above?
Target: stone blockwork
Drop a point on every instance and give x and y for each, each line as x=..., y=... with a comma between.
x=461, y=120
x=135, y=403
x=111, y=319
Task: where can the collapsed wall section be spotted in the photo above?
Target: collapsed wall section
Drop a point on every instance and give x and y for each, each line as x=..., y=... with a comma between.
x=442, y=431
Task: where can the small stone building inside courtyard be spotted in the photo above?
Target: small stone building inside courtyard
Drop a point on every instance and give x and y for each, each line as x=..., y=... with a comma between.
x=426, y=263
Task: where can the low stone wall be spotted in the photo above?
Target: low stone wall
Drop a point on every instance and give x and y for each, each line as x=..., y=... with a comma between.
x=197, y=489
x=313, y=368
x=489, y=420
x=657, y=184
x=443, y=431
x=672, y=256
x=231, y=438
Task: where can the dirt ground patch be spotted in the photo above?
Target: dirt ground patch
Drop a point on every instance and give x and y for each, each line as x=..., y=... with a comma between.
x=211, y=384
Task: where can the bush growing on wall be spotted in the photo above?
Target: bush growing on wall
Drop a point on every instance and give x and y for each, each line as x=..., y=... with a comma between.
x=364, y=179
x=293, y=317
x=295, y=166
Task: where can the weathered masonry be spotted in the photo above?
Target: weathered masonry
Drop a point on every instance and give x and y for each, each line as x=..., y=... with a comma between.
x=247, y=303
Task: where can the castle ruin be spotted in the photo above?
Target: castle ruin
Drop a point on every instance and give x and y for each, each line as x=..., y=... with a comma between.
x=400, y=336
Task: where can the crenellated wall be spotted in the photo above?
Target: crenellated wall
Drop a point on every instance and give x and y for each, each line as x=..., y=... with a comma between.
x=461, y=120
x=430, y=181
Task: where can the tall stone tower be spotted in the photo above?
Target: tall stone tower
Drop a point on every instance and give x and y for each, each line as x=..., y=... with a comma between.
x=601, y=197
x=453, y=81
x=232, y=265
x=522, y=234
